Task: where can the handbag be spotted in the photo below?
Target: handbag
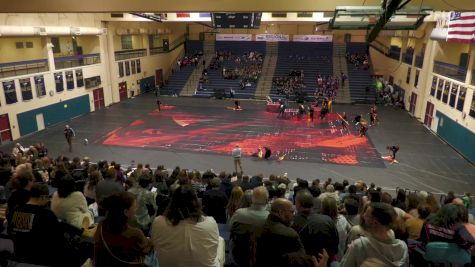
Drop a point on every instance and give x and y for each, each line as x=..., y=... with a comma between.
x=150, y=260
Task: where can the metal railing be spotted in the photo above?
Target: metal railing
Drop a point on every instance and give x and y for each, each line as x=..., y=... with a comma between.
x=126, y=54
x=451, y=71
x=75, y=61
x=12, y=69
x=157, y=50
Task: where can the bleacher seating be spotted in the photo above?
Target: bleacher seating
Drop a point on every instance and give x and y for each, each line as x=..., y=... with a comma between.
x=215, y=79
x=313, y=58
x=359, y=78
x=178, y=79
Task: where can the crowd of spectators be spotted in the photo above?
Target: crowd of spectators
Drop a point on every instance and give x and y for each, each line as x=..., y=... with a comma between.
x=190, y=60
x=358, y=60
x=327, y=87
x=246, y=67
x=65, y=211
x=291, y=84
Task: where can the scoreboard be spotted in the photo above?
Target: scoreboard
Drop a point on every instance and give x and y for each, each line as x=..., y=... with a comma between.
x=236, y=20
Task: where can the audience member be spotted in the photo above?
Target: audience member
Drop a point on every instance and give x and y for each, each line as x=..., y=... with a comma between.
x=215, y=202
x=378, y=243
x=183, y=236
x=243, y=225
x=117, y=243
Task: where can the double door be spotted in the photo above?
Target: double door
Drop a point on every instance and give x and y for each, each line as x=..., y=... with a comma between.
x=5, y=131
x=98, y=95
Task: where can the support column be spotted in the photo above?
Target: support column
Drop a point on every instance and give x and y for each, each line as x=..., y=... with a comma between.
x=105, y=62
x=49, y=51
x=471, y=62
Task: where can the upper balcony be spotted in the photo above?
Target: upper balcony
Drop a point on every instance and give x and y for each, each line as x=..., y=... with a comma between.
x=12, y=69
x=130, y=53
x=451, y=71
x=76, y=61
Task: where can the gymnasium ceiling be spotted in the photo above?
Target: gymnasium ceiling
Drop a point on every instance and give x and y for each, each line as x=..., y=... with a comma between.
x=104, y=6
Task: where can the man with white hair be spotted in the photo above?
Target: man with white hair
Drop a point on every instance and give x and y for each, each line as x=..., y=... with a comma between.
x=244, y=223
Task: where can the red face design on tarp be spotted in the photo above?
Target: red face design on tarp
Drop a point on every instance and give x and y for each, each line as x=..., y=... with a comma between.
x=213, y=130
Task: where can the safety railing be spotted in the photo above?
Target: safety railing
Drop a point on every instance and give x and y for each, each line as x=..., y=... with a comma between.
x=12, y=69
x=76, y=61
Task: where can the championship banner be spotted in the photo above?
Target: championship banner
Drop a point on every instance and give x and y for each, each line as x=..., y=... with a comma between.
x=58, y=80
x=10, y=91
x=272, y=37
x=79, y=78
x=25, y=86
x=69, y=80
x=233, y=37
x=40, y=85
x=313, y=38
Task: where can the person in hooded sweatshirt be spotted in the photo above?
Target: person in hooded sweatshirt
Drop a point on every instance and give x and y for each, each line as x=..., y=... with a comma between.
x=378, y=244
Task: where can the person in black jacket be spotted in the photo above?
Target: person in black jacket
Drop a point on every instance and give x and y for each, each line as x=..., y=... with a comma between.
x=215, y=201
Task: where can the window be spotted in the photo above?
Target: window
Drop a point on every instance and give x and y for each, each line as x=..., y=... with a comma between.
x=408, y=76
x=29, y=44
x=19, y=45
x=416, y=79
x=25, y=85
x=461, y=100
x=40, y=86
x=126, y=41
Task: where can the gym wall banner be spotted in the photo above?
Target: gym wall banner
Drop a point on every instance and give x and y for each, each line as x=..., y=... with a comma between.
x=10, y=91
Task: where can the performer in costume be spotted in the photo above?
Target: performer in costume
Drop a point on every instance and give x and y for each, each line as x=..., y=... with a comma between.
x=158, y=104
x=363, y=128
x=236, y=105
x=344, y=121
x=267, y=152
x=393, y=150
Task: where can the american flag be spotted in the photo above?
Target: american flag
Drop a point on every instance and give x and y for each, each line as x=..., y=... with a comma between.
x=461, y=27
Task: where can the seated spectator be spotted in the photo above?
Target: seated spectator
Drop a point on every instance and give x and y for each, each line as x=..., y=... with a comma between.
x=117, y=243
x=36, y=232
x=215, y=202
x=21, y=183
x=443, y=226
x=330, y=208
x=70, y=205
x=377, y=221
x=276, y=238
x=244, y=223
x=107, y=187
x=318, y=232
x=90, y=186
x=351, y=210
x=183, y=236
x=146, y=204
x=233, y=203
x=414, y=225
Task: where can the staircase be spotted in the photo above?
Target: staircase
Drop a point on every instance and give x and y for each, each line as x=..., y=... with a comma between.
x=339, y=66
x=192, y=83
x=359, y=78
x=268, y=68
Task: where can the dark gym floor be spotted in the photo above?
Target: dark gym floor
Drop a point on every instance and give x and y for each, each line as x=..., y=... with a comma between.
x=199, y=134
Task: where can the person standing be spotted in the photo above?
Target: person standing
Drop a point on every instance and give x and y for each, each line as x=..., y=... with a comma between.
x=394, y=149
x=236, y=153
x=69, y=134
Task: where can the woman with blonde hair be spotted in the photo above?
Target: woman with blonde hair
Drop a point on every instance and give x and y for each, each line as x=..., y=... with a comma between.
x=234, y=200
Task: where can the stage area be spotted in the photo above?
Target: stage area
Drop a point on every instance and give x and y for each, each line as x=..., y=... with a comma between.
x=200, y=133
